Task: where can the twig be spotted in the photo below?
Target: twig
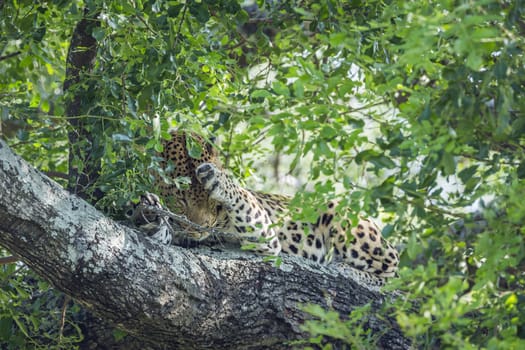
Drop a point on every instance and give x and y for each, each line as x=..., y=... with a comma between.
x=184, y=221
x=123, y=100
x=146, y=24
x=367, y=106
x=56, y=174
x=260, y=20
x=181, y=219
x=241, y=42
x=16, y=53
x=183, y=16
x=67, y=299
x=8, y=259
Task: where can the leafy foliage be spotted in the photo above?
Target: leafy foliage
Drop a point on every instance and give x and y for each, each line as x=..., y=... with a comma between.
x=412, y=111
x=328, y=327
x=31, y=313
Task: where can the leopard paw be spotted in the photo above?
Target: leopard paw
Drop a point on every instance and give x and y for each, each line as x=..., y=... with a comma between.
x=207, y=175
x=149, y=221
x=139, y=215
x=150, y=199
x=219, y=186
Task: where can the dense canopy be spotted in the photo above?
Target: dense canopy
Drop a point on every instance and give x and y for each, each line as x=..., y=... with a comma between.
x=412, y=112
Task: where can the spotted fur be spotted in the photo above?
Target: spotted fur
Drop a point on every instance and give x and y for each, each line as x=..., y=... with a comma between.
x=214, y=199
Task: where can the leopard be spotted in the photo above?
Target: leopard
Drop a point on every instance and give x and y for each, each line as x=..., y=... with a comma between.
x=262, y=221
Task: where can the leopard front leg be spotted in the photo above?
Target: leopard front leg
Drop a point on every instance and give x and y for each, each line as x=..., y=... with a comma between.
x=246, y=217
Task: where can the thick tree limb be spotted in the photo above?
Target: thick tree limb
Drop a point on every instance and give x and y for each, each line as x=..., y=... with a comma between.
x=171, y=296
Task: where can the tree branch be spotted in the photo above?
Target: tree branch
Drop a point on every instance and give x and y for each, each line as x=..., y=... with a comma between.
x=169, y=296
x=8, y=259
x=12, y=54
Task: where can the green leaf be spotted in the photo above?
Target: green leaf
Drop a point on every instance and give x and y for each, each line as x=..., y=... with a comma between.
x=6, y=328
x=174, y=10
x=309, y=214
x=474, y=61
x=119, y=334
x=200, y=11
x=378, y=159
x=328, y=132
x=260, y=94
x=194, y=148
x=280, y=88
x=413, y=247
x=448, y=163
x=99, y=33
x=521, y=170
x=387, y=230
x=298, y=89
x=21, y=325
x=337, y=39
x=466, y=174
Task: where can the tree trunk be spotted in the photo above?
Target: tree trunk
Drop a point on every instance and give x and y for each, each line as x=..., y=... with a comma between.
x=168, y=296
x=85, y=150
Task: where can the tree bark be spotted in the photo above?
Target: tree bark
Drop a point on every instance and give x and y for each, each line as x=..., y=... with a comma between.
x=169, y=296
x=85, y=150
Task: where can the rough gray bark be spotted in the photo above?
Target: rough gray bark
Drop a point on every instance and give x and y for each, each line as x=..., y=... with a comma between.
x=169, y=296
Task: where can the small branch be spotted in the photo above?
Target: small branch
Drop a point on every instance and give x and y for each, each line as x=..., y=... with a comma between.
x=87, y=116
x=260, y=20
x=8, y=259
x=241, y=42
x=123, y=98
x=10, y=55
x=364, y=107
x=56, y=174
x=434, y=208
x=67, y=299
x=180, y=219
x=183, y=16
x=146, y=24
